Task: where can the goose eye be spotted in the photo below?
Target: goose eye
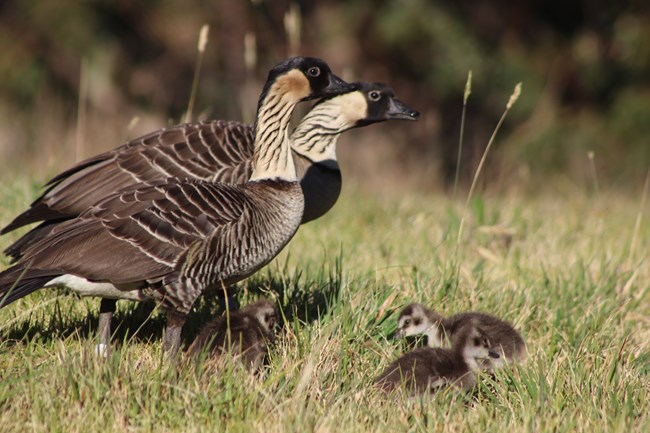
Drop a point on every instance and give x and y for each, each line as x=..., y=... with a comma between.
x=313, y=71
x=374, y=95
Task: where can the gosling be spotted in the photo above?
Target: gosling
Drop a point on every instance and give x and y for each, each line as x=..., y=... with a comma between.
x=429, y=369
x=416, y=319
x=245, y=334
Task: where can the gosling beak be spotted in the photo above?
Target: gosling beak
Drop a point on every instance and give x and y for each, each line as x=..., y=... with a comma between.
x=398, y=334
x=399, y=110
x=493, y=354
x=336, y=86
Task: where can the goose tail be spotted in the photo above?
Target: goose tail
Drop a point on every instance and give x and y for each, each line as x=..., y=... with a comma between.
x=16, y=282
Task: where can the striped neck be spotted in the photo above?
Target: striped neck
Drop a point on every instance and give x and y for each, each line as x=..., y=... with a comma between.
x=316, y=136
x=271, y=156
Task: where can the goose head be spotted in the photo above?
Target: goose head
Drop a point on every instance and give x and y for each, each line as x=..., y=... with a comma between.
x=266, y=314
x=369, y=103
x=475, y=347
x=416, y=319
x=381, y=104
x=304, y=78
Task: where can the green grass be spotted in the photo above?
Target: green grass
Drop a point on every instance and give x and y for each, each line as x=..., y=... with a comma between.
x=556, y=265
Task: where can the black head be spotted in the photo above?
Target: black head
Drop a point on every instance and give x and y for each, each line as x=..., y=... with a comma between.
x=305, y=78
x=383, y=104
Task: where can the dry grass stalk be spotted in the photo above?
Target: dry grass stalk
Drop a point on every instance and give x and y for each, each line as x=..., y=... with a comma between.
x=203, y=40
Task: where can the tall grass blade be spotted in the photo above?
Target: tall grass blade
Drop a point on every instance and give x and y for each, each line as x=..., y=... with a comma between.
x=81, y=110
x=203, y=40
x=468, y=91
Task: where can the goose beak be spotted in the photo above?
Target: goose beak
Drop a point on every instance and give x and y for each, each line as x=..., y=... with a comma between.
x=337, y=86
x=398, y=334
x=399, y=110
x=493, y=354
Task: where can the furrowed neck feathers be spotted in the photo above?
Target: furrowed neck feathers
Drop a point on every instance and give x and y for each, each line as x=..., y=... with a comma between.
x=316, y=136
x=271, y=157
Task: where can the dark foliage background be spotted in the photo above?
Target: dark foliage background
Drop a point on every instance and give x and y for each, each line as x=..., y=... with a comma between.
x=585, y=68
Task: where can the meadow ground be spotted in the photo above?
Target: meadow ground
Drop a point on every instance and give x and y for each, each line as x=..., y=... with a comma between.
x=569, y=269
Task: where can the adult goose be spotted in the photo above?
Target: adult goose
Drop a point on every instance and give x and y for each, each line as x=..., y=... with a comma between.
x=215, y=150
x=416, y=319
x=427, y=369
x=173, y=240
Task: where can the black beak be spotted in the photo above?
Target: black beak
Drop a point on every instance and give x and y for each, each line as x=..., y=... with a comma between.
x=398, y=334
x=493, y=354
x=336, y=86
x=398, y=110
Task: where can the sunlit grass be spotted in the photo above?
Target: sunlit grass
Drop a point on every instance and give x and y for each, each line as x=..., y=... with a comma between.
x=557, y=265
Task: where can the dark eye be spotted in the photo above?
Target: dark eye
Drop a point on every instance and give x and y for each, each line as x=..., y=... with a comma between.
x=416, y=322
x=407, y=322
x=313, y=71
x=477, y=341
x=374, y=95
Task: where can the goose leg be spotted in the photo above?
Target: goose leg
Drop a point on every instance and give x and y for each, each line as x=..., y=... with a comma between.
x=106, y=310
x=227, y=298
x=172, y=335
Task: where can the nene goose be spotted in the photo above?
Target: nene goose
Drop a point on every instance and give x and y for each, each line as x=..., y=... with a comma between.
x=173, y=240
x=213, y=151
x=428, y=369
x=416, y=319
x=244, y=333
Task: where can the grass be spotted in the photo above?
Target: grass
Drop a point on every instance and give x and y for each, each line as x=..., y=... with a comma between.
x=557, y=265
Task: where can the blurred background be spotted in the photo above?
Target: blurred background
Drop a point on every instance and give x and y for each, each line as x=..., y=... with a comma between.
x=81, y=77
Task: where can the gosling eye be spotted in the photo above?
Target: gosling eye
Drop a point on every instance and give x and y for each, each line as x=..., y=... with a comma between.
x=374, y=95
x=416, y=322
x=407, y=322
x=314, y=71
x=477, y=341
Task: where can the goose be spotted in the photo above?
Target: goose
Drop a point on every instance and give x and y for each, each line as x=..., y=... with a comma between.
x=416, y=319
x=244, y=333
x=173, y=240
x=428, y=369
x=213, y=151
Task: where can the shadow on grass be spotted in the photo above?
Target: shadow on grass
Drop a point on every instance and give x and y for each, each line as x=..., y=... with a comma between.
x=305, y=297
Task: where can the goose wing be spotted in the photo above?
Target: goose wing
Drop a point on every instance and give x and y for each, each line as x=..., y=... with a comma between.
x=138, y=234
x=214, y=150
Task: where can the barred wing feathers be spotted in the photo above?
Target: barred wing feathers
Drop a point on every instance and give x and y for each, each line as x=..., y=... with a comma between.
x=182, y=151
x=139, y=234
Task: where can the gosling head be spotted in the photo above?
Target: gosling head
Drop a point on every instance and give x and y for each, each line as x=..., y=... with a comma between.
x=416, y=319
x=475, y=347
x=266, y=314
x=303, y=78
